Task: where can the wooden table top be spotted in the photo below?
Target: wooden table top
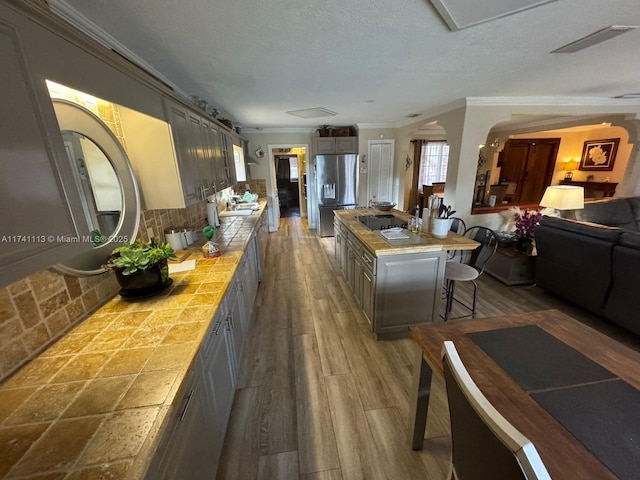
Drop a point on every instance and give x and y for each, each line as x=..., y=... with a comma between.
x=378, y=246
x=563, y=455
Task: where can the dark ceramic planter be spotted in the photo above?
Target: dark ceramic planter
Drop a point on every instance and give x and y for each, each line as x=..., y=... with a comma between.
x=524, y=245
x=144, y=282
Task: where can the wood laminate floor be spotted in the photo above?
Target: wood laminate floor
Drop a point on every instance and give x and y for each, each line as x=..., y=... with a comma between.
x=317, y=397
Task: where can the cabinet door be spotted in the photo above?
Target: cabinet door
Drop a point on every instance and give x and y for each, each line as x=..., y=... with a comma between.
x=346, y=144
x=40, y=200
x=206, y=167
x=323, y=145
x=368, y=293
x=337, y=243
x=181, y=125
x=187, y=450
x=236, y=320
x=357, y=279
x=229, y=162
x=220, y=168
x=249, y=279
x=408, y=290
x=263, y=240
x=217, y=367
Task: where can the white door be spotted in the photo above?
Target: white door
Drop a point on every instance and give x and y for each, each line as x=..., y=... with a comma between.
x=380, y=178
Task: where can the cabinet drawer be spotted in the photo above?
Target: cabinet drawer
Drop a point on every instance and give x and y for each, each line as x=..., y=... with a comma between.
x=369, y=261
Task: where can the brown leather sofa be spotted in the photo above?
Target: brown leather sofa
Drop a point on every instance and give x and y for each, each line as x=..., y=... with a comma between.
x=594, y=261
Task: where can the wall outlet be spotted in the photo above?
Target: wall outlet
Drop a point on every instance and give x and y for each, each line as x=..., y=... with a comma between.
x=150, y=233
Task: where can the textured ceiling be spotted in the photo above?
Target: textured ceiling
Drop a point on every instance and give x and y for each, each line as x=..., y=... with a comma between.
x=371, y=61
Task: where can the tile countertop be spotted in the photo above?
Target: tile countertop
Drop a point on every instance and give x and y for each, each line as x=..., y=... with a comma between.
x=95, y=403
x=379, y=246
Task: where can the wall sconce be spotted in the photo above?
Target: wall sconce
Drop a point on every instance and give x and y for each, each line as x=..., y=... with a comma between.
x=569, y=166
x=408, y=162
x=495, y=143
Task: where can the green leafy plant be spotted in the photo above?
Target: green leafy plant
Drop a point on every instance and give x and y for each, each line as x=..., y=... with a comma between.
x=139, y=256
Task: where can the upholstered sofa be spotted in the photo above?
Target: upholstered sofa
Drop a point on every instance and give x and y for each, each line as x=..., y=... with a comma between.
x=594, y=261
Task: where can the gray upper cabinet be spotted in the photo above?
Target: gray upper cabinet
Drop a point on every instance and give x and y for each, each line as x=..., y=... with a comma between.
x=42, y=220
x=329, y=145
x=183, y=138
x=201, y=153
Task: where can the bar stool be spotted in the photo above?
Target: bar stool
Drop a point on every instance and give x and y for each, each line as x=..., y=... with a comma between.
x=468, y=265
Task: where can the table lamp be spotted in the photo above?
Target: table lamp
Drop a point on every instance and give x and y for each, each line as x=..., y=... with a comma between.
x=564, y=198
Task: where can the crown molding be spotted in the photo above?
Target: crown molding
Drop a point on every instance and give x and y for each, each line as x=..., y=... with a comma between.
x=551, y=101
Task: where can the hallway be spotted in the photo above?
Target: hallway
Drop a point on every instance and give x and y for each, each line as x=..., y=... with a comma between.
x=317, y=397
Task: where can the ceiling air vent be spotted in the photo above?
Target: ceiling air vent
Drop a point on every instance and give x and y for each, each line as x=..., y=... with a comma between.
x=594, y=38
x=312, y=113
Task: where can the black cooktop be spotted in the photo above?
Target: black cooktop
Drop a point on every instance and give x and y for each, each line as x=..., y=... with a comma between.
x=381, y=222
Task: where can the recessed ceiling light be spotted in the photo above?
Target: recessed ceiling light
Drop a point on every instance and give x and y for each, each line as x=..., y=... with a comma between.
x=312, y=113
x=595, y=38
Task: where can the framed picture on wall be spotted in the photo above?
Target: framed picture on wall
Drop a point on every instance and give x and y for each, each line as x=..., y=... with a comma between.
x=599, y=155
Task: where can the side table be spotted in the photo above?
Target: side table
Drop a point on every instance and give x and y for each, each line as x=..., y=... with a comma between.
x=511, y=267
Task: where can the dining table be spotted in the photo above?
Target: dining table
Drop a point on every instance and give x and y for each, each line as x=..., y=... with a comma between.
x=573, y=391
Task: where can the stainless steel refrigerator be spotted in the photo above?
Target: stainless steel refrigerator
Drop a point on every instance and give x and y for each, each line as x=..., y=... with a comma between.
x=337, y=187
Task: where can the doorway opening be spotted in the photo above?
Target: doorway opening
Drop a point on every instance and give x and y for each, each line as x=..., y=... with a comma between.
x=288, y=183
x=299, y=151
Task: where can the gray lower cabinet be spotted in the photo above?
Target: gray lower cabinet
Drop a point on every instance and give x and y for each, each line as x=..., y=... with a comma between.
x=192, y=444
x=236, y=320
x=408, y=290
x=189, y=453
x=368, y=286
x=250, y=276
x=394, y=291
x=263, y=239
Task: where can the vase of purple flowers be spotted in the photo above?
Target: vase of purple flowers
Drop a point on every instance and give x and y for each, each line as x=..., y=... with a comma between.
x=526, y=223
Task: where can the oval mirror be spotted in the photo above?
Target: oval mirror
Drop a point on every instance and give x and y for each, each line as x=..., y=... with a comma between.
x=105, y=178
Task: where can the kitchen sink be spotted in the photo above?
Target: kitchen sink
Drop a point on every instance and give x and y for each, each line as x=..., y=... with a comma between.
x=236, y=213
x=248, y=206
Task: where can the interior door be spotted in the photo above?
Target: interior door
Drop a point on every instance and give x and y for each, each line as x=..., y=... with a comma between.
x=380, y=178
x=529, y=163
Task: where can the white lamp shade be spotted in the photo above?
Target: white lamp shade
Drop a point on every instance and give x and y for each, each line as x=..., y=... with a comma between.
x=563, y=197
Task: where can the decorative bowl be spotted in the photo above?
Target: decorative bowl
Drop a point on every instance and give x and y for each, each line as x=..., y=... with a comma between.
x=383, y=206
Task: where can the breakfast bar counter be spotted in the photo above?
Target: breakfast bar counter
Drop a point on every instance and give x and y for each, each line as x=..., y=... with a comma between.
x=397, y=283
x=378, y=246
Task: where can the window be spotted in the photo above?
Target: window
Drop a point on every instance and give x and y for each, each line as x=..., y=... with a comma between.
x=434, y=158
x=238, y=159
x=293, y=169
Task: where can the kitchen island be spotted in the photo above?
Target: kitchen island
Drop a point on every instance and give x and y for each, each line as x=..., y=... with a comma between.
x=139, y=389
x=397, y=283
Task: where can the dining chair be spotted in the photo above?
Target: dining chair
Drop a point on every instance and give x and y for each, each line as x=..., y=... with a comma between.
x=468, y=265
x=485, y=445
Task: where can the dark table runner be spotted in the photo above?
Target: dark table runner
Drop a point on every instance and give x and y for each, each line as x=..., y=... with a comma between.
x=600, y=410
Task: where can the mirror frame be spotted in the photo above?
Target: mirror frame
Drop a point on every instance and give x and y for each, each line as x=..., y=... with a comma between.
x=75, y=118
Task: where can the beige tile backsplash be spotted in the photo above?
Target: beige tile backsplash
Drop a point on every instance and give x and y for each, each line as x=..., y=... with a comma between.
x=37, y=310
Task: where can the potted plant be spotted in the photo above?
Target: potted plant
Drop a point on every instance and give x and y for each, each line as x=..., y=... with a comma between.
x=526, y=223
x=324, y=131
x=141, y=268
